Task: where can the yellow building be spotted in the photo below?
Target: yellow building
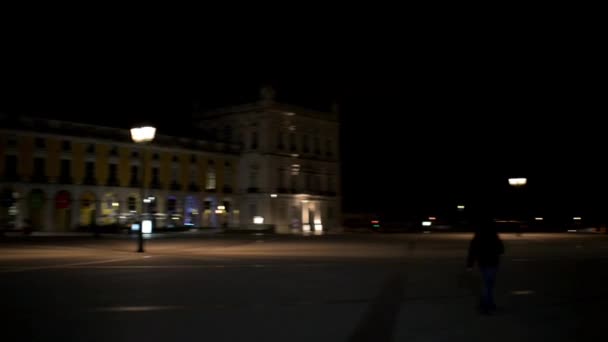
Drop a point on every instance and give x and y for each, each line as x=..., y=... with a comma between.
x=59, y=176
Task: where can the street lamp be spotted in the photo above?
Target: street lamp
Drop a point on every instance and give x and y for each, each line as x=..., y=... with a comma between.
x=142, y=135
x=518, y=183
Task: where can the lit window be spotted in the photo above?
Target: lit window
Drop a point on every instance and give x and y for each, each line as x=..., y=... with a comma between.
x=210, y=183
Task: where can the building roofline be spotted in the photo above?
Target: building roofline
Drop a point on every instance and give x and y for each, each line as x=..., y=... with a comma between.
x=269, y=106
x=76, y=129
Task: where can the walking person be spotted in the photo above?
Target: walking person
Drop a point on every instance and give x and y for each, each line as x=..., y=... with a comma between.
x=485, y=250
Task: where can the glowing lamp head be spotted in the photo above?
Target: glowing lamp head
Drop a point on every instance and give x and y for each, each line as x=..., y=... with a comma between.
x=518, y=181
x=143, y=134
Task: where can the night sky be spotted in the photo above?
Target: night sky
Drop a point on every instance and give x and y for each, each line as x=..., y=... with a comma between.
x=423, y=127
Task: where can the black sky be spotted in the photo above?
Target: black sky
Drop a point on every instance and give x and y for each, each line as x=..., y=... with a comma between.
x=438, y=121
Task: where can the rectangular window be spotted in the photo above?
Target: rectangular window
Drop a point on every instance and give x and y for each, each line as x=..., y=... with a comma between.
x=39, y=168
x=193, y=175
x=174, y=174
x=253, y=179
x=134, y=173
x=210, y=183
x=66, y=169
x=89, y=170
x=10, y=166
x=113, y=172
x=294, y=182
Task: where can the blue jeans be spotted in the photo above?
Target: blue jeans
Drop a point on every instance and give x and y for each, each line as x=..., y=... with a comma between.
x=488, y=275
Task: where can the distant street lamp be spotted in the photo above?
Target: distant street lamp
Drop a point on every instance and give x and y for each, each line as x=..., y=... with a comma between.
x=142, y=135
x=518, y=183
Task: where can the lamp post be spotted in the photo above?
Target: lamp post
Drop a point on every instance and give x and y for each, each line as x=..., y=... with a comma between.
x=142, y=135
x=518, y=183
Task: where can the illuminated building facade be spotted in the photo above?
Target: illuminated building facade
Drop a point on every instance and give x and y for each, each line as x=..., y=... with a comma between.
x=273, y=164
x=289, y=169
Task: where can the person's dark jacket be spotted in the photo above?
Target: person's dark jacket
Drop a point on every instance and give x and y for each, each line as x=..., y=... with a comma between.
x=485, y=250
